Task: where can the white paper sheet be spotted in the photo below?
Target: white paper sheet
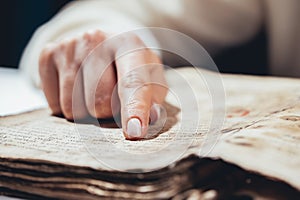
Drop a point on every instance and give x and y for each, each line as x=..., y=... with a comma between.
x=17, y=94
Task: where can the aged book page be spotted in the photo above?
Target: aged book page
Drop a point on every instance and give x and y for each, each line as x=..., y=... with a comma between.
x=258, y=129
x=261, y=130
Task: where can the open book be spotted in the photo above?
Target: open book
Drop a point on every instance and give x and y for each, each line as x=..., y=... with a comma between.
x=252, y=151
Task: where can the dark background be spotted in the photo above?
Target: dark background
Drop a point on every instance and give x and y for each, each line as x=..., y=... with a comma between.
x=19, y=19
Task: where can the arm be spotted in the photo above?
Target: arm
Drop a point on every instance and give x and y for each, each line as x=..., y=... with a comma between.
x=216, y=24
x=67, y=31
x=58, y=49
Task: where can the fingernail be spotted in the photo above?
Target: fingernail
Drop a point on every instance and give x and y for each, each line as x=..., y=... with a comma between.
x=134, y=128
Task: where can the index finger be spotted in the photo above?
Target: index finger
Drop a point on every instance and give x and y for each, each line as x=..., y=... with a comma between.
x=135, y=92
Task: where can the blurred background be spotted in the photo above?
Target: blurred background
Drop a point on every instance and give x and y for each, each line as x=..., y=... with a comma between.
x=19, y=19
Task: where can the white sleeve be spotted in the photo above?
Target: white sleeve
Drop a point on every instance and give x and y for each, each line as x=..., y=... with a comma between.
x=79, y=16
x=215, y=24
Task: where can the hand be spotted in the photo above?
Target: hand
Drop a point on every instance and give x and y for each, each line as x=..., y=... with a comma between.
x=133, y=71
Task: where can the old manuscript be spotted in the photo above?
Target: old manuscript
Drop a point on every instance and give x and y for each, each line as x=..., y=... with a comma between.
x=245, y=141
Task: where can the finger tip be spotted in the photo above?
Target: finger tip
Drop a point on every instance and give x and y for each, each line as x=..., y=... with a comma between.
x=134, y=129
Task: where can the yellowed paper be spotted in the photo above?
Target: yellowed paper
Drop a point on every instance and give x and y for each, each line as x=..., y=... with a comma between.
x=260, y=131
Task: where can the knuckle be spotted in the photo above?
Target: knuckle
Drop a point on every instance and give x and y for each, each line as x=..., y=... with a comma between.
x=64, y=47
x=137, y=98
x=101, y=107
x=102, y=101
x=127, y=42
x=131, y=38
x=45, y=54
x=133, y=104
x=67, y=82
x=45, y=62
x=136, y=107
x=132, y=80
x=99, y=34
x=94, y=35
x=71, y=68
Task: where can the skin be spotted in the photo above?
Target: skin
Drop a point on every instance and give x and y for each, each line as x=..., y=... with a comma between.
x=136, y=71
x=239, y=20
